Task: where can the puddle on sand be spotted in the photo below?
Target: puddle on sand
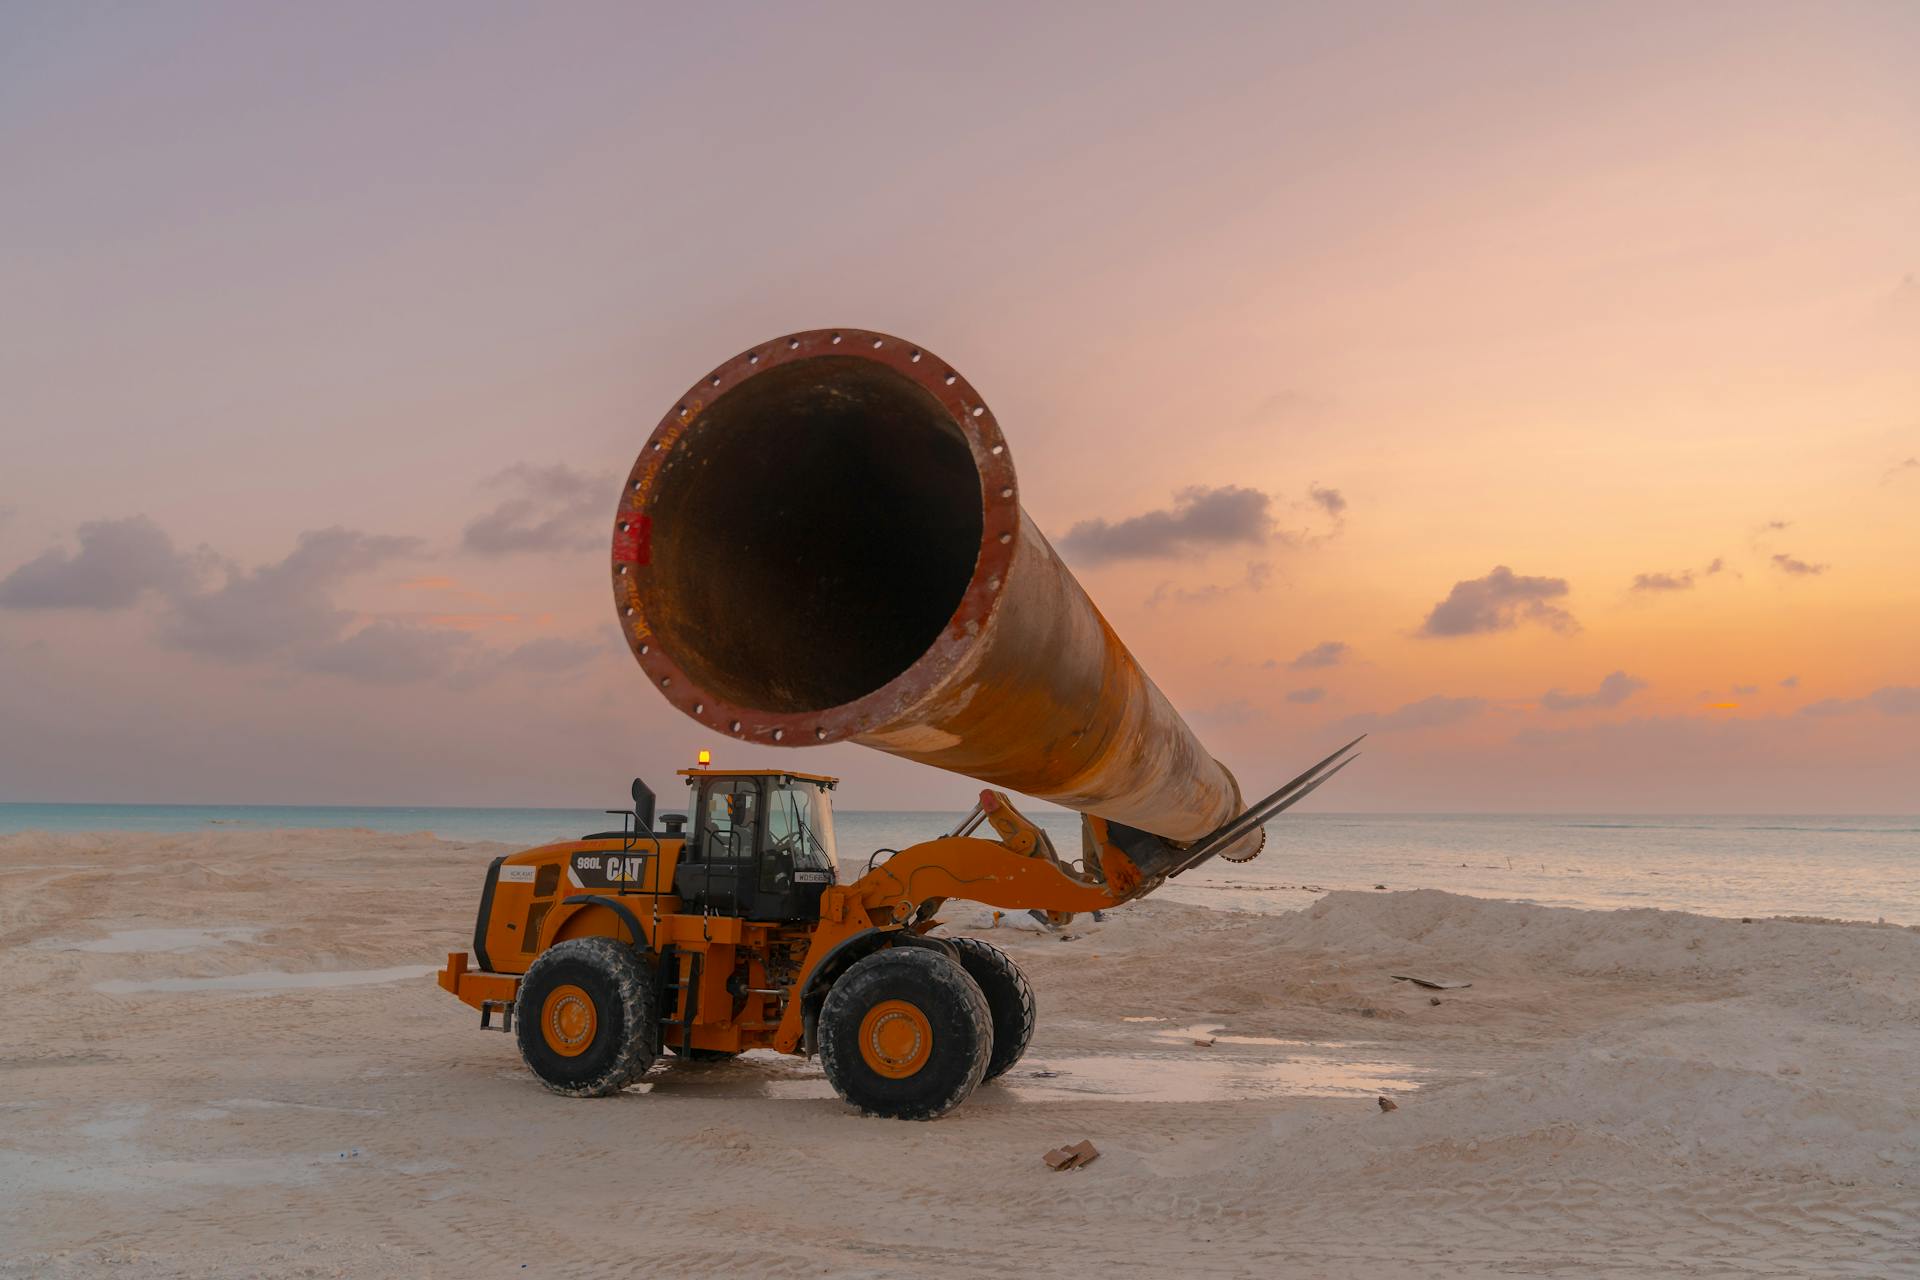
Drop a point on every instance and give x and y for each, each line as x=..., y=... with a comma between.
x=154, y=941
x=1085, y=1078
x=1145, y=1078
x=267, y=981
x=1215, y=1032
x=222, y=1106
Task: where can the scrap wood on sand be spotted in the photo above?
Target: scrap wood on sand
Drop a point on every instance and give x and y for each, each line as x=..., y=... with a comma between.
x=1619, y=1093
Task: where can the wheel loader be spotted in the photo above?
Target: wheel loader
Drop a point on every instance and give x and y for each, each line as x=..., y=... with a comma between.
x=822, y=542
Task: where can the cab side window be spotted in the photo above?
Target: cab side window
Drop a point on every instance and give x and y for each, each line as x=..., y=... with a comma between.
x=791, y=823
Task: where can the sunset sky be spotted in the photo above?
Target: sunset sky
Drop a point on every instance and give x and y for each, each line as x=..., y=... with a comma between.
x=1534, y=386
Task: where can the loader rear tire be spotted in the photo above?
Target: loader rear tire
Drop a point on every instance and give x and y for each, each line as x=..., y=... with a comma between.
x=1009, y=999
x=905, y=1034
x=586, y=1018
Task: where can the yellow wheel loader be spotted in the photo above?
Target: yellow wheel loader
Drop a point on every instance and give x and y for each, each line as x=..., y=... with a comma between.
x=822, y=542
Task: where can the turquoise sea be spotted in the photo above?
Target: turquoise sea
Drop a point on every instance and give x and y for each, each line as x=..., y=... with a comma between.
x=1850, y=867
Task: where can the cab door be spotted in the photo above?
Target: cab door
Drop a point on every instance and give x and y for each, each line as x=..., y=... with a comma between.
x=798, y=863
x=719, y=872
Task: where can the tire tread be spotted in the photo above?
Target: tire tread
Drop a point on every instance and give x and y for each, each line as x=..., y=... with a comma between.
x=854, y=991
x=1009, y=997
x=633, y=987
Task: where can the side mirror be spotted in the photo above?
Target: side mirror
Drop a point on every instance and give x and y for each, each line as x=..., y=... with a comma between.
x=643, y=805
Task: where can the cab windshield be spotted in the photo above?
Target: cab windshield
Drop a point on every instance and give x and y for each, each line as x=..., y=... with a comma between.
x=800, y=820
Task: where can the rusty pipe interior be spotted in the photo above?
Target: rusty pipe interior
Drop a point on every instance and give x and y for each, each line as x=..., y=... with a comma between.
x=821, y=539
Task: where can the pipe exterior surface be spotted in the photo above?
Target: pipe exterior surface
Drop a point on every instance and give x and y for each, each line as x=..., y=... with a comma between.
x=1047, y=700
x=823, y=541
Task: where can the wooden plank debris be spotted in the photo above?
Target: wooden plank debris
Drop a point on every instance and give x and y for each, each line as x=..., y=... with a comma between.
x=1073, y=1157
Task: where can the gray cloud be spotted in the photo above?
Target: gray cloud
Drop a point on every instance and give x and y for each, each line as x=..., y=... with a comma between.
x=1428, y=713
x=284, y=611
x=1499, y=602
x=545, y=656
x=1890, y=700
x=1199, y=519
x=1307, y=695
x=1774, y=526
x=550, y=655
x=389, y=652
x=551, y=509
x=1236, y=712
x=282, y=607
x=1682, y=581
x=1615, y=689
x=1328, y=653
x=384, y=652
x=1798, y=568
x=1329, y=500
x=1746, y=690
x=1898, y=469
x=118, y=561
x=1258, y=575
x=1791, y=682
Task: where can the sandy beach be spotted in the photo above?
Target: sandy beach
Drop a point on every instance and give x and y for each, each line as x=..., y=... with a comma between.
x=223, y=1056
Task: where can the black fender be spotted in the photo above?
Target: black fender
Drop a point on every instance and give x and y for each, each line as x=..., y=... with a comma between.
x=486, y=910
x=844, y=952
x=858, y=946
x=813, y=992
x=908, y=938
x=626, y=915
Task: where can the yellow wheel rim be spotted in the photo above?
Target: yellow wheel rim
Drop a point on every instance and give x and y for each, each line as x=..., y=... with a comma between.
x=567, y=1020
x=895, y=1039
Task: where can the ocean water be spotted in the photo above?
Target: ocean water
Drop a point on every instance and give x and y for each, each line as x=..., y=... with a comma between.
x=1848, y=867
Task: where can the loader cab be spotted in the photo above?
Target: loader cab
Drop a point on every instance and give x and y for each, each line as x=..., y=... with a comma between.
x=758, y=845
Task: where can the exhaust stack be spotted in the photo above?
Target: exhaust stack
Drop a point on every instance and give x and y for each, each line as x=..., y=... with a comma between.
x=823, y=541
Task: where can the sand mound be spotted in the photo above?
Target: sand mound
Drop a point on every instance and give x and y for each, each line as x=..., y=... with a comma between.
x=1857, y=972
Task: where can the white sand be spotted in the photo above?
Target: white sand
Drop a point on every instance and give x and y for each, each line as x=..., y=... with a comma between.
x=1630, y=1093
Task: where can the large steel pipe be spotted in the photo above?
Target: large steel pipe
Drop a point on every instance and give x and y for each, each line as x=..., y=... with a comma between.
x=823, y=542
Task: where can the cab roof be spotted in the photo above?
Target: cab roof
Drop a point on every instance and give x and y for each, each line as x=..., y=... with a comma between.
x=820, y=778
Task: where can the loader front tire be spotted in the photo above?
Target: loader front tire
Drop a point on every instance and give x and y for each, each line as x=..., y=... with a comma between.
x=1009, y=999
x=905, y=1034
x=586, y=1018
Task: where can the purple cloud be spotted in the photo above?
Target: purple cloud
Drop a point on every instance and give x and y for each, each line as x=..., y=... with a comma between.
x=1428, y=713
x=1614, y=690
x=1200, y=518
x=118, y=561
x=1798, y=568
x=1499, y=602
x=1682, y=581
x=552, y=509
x=1329, y=500
x=1328, y=653
x=1888, y=700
